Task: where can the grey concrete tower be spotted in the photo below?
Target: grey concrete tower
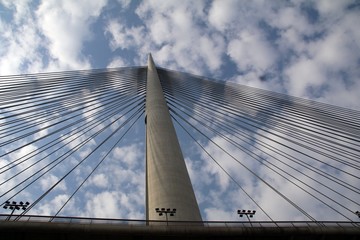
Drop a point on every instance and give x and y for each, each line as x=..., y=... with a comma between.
x=167, y=181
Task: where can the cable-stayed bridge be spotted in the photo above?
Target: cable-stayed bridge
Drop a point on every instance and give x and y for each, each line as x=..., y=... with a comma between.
x=67, y=136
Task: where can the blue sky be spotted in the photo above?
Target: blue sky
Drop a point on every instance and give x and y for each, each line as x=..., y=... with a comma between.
x=258, y=43
x=308, y=49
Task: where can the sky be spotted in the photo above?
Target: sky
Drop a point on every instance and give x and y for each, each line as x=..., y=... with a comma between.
x=308, y=49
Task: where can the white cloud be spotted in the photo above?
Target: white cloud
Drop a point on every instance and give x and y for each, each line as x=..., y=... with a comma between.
x=100, y=180
x=49, y=208
x=49, y=180
x=122, y=37
x=117, y=62
x=215, y=214
x=211, y=50
x=327, y=64
x=336, y=49
x=57, y=28
x=112, y=204
x=20, y=41
x=172, y=33
x=91, y=108
x=222, y=14
x=128, y=154
x=76, y=140
x=291, y=18
x=124, y=3
x=23, y=152
x=332, y=8
x=303, y=74
x=250, y=51
x=105, y=204
x=123, y=175
x=21, y=8
x=341, y=94
x=66, y=26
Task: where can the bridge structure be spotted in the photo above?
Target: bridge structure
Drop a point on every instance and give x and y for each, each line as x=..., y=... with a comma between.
x=59, y=129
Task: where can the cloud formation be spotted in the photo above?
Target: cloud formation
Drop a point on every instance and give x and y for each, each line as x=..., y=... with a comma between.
x=48, y=38
x=303, y=48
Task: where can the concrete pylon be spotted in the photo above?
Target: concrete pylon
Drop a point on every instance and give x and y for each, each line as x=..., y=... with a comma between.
x=167, y=181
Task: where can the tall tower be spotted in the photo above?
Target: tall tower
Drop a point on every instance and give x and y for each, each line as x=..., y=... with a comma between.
x=167, y=181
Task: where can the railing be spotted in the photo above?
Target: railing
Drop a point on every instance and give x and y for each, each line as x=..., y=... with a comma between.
x=138, y=222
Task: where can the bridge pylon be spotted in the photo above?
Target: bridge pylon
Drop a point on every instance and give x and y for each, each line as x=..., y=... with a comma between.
x=168, y=185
